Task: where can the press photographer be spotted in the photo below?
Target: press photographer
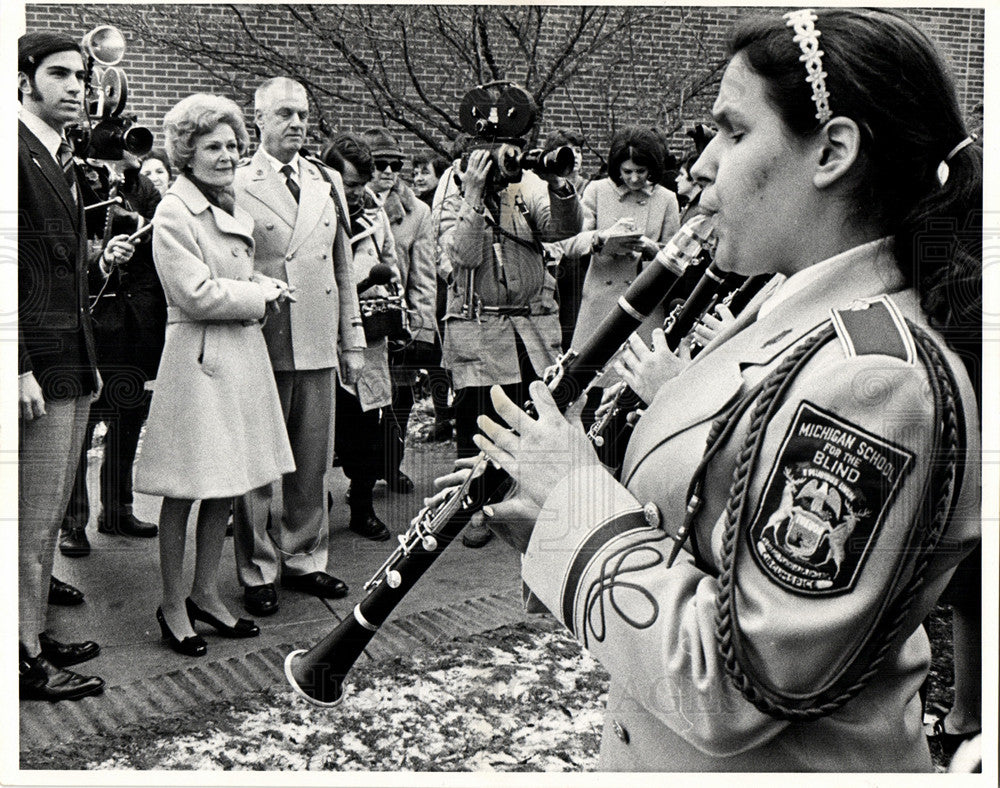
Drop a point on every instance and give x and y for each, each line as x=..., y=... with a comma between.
x=127, y=305
x=129, y=314
x=502, y=319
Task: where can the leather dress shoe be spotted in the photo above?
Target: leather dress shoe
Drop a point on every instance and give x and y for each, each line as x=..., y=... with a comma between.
x=64, y=594
x=191, y=646
x=318, y=584
x=125, y=524
x=73, y=542
x=400, y=483
x=260, y=600
x=243, y=628
x=369, y=526
x=39, y=679
x=62, y=655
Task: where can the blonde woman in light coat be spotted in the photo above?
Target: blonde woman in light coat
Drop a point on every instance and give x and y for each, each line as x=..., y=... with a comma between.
x=215, y=428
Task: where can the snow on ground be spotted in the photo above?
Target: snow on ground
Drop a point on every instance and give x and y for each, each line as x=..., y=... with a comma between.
x=519, y=698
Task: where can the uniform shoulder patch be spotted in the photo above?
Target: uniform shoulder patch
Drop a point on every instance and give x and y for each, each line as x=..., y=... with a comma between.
x=824, y=502
x=875, y=327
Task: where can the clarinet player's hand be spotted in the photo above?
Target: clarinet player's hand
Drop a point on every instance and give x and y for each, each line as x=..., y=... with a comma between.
x=537, y=452
x=644, y=370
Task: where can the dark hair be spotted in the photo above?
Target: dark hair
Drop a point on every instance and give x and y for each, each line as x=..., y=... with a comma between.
x=688, y=163
x=437, y=163
x=161, y=156
x=350, y=148
x=642, y=146
x=560, y=137
x=886, y=75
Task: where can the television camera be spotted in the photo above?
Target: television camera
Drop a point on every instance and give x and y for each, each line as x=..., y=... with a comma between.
x=497, y=115
x=107, y=92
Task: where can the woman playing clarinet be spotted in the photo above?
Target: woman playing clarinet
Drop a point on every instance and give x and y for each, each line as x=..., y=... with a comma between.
x=795, y=499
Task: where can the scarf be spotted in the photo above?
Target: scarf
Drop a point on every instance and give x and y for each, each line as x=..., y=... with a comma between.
x=223, y=197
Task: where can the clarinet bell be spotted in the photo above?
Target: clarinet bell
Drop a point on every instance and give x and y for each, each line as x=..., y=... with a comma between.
x=307, y=681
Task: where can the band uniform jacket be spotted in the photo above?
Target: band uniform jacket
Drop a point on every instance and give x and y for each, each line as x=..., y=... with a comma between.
x=844, y=461
x=55, y=338
x=608, y=276
x=372, y=243
x=481, y=350
x=414, y=242
x=215, y=426
x=299, y=244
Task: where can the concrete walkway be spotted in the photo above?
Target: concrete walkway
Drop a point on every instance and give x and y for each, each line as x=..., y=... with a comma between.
x=465, y=591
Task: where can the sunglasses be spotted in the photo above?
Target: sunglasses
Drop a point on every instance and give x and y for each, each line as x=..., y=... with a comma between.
x=393, y=164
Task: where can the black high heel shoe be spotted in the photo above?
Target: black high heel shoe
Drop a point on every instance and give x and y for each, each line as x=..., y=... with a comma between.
x=244, y=628
x=191, y=646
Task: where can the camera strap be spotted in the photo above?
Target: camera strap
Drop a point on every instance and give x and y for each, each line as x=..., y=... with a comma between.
x=534, y=244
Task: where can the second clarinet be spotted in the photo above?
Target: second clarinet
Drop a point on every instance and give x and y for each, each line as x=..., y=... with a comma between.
x=610, y=433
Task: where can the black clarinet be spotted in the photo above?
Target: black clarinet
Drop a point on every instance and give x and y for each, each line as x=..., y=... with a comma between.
x=319, y=672
x=611, y=433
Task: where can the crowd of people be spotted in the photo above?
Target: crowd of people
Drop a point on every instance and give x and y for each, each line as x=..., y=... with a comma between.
x=287, y=310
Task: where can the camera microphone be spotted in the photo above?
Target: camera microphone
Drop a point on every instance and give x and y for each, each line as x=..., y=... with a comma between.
x=380, y=274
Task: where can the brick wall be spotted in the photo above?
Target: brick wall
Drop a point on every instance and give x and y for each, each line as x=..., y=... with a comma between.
x=644, y=76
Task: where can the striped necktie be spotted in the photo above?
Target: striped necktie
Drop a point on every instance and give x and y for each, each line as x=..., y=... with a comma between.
x=293, y=187
x=65, y=154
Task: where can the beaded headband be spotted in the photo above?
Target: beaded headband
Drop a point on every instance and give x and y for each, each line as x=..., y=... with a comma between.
x=803, y=22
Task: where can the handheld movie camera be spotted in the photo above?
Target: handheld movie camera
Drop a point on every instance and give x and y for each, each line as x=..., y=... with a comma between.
x=498, y=114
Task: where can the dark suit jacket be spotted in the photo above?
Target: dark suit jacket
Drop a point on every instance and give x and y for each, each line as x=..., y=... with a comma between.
x=54, y=335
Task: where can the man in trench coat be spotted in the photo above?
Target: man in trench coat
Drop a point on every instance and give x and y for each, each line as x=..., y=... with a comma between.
x=299, y=240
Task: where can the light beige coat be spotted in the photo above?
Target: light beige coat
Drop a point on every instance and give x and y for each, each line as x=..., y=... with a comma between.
x=215, y=427
x=299, y=244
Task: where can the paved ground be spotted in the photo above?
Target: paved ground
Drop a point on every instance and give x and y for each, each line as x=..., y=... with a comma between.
x=465, y=591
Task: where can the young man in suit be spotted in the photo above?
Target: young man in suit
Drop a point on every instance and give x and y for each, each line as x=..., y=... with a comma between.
x=57, y=373
x=298, y=239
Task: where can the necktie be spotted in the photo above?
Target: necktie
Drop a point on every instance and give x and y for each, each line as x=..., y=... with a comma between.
x=65, y=154
x=293, y=187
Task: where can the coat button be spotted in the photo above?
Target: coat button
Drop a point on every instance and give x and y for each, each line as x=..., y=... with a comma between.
x=269, y=226
x=609, y=282
x=329, y=289
x=289, y=257
x=652, y=514
x=326, y=223
x=236, y=251
x=324, y=255
x=621, y=731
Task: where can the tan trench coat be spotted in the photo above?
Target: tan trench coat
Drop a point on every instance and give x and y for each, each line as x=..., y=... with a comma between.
x=374, y=244
x=301, y=247
x=415, y=244
x=608, y=276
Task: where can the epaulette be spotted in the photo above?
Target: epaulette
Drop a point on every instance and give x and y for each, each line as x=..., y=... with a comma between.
x=319, y=163
x=874, y=327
